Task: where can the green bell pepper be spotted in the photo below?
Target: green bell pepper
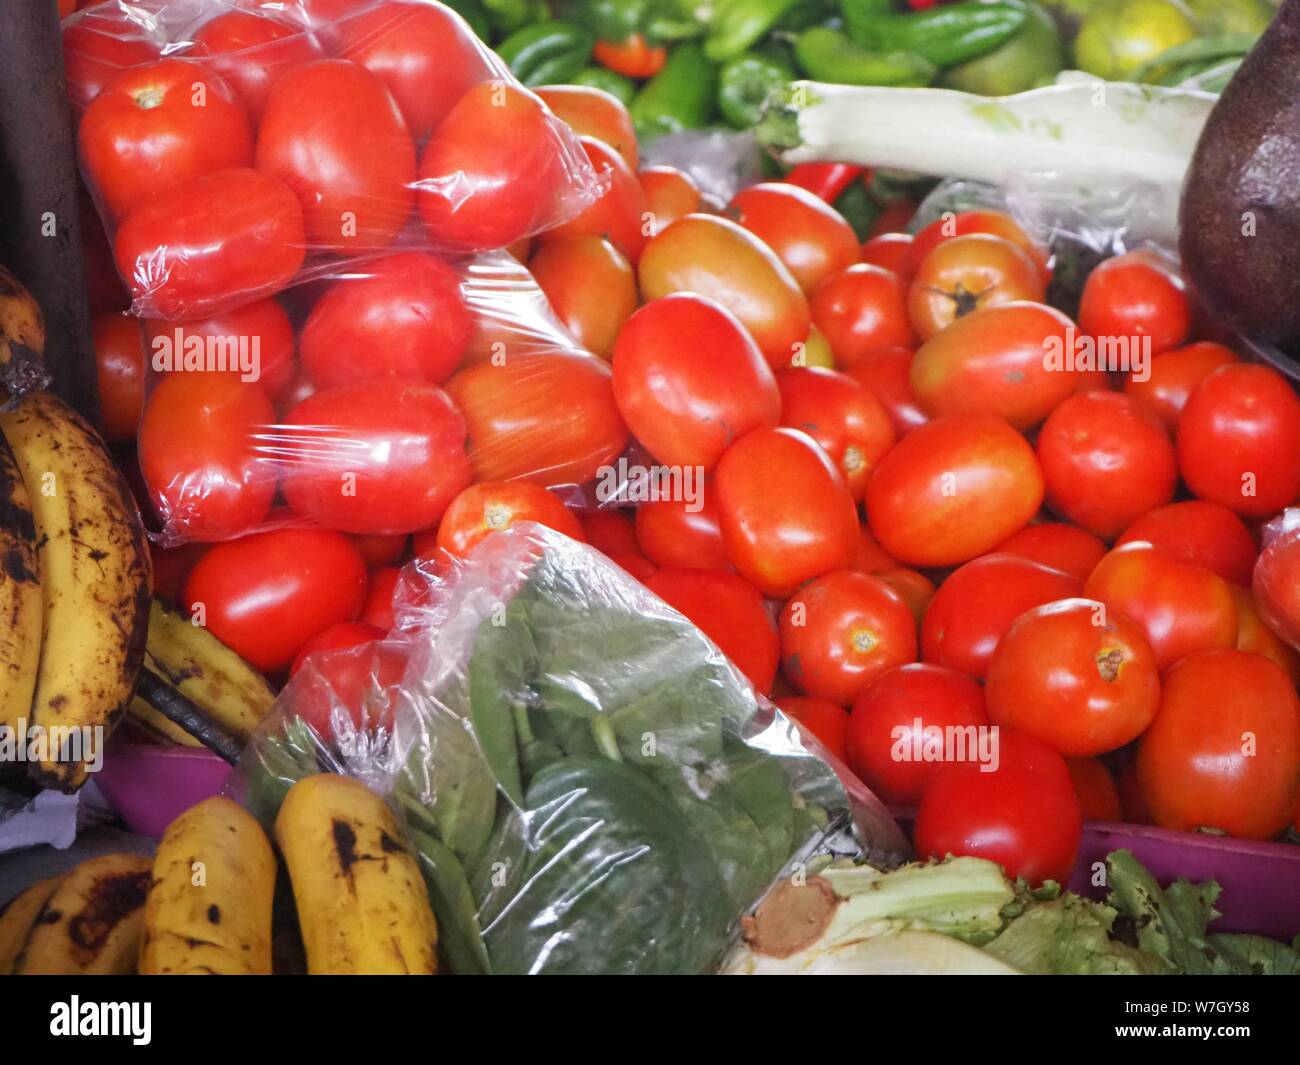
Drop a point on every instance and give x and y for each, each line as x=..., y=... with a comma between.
x=681, y=96
x=506, y=16
x=745, y=83
x=828, y=55
x=943, y=35
x=609, y=20
x=602, y=78
x=473, y=12
x=547, y=53
x=737, y=24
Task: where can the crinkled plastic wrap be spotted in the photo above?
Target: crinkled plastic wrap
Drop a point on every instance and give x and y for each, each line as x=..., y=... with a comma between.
x=1276, y=582
x=237, y=147
x=590, y=786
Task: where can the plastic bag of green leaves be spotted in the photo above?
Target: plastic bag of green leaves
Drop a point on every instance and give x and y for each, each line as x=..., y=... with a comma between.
x=589, y=784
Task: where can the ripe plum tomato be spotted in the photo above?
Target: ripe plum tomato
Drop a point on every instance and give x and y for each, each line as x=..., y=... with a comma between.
x=489, y=506
x=950, y=226
x=952, y=489
x=1258, y=637
x=913, y=587
x=997, y=360
x=887, y=374
x=200, y=457
x=688, y=380
x=378, y=457
x=730, y=612
x=1224, y=749
x=717, y=259
x=592, y=112
x=590, y=286
x=358, y=682
x=968, y=273
x=158, y=125
x=120, y=366
x=808, y=235
x=890, y=251
x=828, y=723
x=1106, y=460
x=378, y=607
x=843, y=630
x=1058, y=546
x=861, y=310
x=633, y=57
x=382, y=550
x=1136, y=295
x=1204, y=534
x=333, y=134
x=490, y=173
x=777, y=539
x=611, y=532
x=1239, y=440
x=1182, y=608
x=344, y=634
x=267, y=594
x=1095, y=787
x=400, y=316
x=871, y=557
x=845, y=419
x=251, y=50
x=892, y=719
x=682, y=534
x=1024, y=814
x=977, y=604
x=670, y=194
x=98, y=47
x=1276, y=582
x=548, y=417
x=618, y=215
x=1081, y=678
x=1173, y=375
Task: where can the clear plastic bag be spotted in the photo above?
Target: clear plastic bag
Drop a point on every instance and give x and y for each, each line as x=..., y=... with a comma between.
x=1276, y=581
x=589, y=784
x=234, y=148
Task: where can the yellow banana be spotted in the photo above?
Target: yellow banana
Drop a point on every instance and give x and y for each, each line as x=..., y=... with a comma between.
x=209, y=909
x=95, y=581
x=152, y=721
x=362, y=905
x=18, y=917
x=20, y=595
x=22, y=337
x=92, y=923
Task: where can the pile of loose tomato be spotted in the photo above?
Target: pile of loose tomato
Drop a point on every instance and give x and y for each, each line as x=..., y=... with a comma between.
x=918, y=510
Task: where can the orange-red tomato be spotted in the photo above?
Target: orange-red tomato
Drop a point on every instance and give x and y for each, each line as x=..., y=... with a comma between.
x=1136, y=295
x=890, y=251
x=1256, y=636
x=611, y=532
x=1173, y=375
x=618, y=215
x=98, y=47
x=381, y=550
x=251, y=50
x=778, y=540
x=592, y=112
x=1095, y=787
x=1063, y=547
x=828, y=723
x=952, y=489
x=949, y=226
x=1204, y=534
x=1224, y=749
x=120, y=364
x=682, y=533
x=490, y=506
x=1276, y=583
x=590, y=286
x=872, y=558
x=862, y=310
x=670, y=194
x=344, y=634
x=915, y=589
x=634, y=57
x=968, y=273
x=716, y=258
x=887, y=374
x=807, y=234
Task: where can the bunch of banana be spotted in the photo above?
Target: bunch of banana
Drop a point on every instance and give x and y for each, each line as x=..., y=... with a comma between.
x=94, y=576
x=22, y=338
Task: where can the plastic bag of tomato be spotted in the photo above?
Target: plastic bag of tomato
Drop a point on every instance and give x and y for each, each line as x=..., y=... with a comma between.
x=234, y=149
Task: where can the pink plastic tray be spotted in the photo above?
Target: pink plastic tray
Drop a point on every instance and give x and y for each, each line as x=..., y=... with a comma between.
x=150, y=786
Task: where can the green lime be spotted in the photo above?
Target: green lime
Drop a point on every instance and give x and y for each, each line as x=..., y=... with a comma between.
x=1118, y=36
x=1032, y=57
x=1232, y=16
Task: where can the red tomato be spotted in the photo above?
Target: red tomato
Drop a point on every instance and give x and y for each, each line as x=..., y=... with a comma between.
x=1136, y=295
x=251, y=50
x=828, y=723
x=670, y=194
x=592, y=112
x=1259, y=637
x=611, y=532
x=1075, y=675
x=843, y=630
x=401, y=316
x=730, y=612
x=267, y=594
x=1182, y=608
x=1239, y=440
x=1276, y=584
x=686, y=410
x=890, y=251
x=1173, y=375
x=171, y=569
x=973, y=608
x=1224, y=749
x=778, y=540
x=966, y=274
x=633, y=58
x=491, y=171
x=208, y=476
x=1062, y=547
x=1106, y=460
x=915, y=589
x=158, y=125
x=861, y=310
x=636, y=565
x=489, y=506
x=895, y=217
x=347, y=688
x=378, y=607
x=895, y=718
x=333, y=134
x=619, y=212
x=949, y=226
x=845, y=419
x=1095, y=787
x=548, y=418
x=682, y=534
x=952, y=489
x=715, y=258
x=1132, y=801
x=423, y=55
x=119, y=360
x=590, y=286
x=872, y=558
x=1024, y=814
x=808, y=235
x=344, y=634
x=104, y=287
x=1204, y=534
x=887, y=374
x=98, y=47
x=998, y=360
x=211, y=243
x=254, y=340
x=381, y=550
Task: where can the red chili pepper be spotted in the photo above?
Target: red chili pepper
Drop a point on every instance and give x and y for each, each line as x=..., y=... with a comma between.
x=921, y=5
x=825, y=180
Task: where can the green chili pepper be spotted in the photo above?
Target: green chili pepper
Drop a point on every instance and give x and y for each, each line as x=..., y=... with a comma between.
x=506, y=16
x=681, y=96
x=609, y=20
x=547, y=53
x=828, y=55
x=473, y=12
x=612, y=83
x=943, y=35
x=739, y=23
x=745, y=83
x=808, y=13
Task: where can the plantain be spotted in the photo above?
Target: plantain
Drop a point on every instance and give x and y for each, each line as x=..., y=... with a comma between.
x=22, y=338
x=20, y=595
x=93, y=922
x=362, y=904
x=95, y=583
x=157, y=725
x=18, y=917
x=209, y=909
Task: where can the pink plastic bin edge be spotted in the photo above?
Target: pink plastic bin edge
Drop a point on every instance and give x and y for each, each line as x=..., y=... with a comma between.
x=150, y=786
